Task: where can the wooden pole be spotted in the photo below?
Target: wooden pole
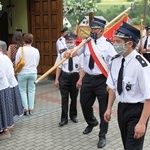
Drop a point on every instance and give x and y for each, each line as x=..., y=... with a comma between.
x=91, y=16
x=145, y=11
x=64, y=59
x=141, y=38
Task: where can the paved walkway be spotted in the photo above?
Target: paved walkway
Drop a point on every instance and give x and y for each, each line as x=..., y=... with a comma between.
x=42, y=132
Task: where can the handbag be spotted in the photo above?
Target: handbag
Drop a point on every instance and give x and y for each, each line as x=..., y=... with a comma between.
x=20, y=63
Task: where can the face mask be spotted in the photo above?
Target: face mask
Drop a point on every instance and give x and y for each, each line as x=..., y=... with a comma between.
x=94, y=35
x=120, y=48
x=70, y=45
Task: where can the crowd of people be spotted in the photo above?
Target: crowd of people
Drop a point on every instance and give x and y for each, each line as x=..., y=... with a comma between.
x=17, y=91
x=108, y=74
x=102, y=70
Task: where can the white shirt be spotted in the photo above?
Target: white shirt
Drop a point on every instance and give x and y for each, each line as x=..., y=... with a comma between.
x=3, y=79
x=143, y=42
x=60, y=44
x=106, y=50
x=77, y=63
x=9, y=71
x=32, y=58
x=134, y=75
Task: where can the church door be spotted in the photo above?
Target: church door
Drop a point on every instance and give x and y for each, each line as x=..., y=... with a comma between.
x=45, y=19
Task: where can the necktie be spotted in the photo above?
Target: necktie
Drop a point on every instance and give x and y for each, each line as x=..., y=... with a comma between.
x=91, y=61
x=120, y=77
x=145, y=44
x=70, y=64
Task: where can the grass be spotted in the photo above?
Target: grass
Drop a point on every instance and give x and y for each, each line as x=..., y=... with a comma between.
x=104, y=6
x=112, y=1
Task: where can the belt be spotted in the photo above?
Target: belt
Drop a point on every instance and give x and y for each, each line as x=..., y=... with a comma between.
x=94, y=76
x=70, y=73
x=138, y=103
x=147, y=53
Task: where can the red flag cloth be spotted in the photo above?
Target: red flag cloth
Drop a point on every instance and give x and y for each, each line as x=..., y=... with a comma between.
x=78, y=41
x=109, y=34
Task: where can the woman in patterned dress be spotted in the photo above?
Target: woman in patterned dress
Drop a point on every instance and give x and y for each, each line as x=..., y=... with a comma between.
x=10, y=98
x=6, y=114
x=16, y=43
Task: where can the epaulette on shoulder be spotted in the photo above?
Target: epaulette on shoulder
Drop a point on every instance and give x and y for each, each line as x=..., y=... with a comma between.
x=109, y=41
x=114, y=57
x=60, y=39
x=62, y=50
x=141, y=60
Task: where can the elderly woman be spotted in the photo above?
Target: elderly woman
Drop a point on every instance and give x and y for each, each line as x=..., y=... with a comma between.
x=10, y=99
x=28, y=73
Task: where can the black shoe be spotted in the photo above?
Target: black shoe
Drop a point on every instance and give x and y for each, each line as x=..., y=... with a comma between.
x=101, y=142
x=30, y=112
x=62, y=123
x=89, y=128
x=25, y=113
x=75, y=120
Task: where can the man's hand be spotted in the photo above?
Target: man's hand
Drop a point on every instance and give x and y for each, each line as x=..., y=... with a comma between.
x=143, y=50
x=68, y=54
x=78, y=84
x=107, y=115
x=57, y=83
x=139, y=130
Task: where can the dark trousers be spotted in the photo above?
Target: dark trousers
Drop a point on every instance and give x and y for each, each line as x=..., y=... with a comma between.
x=94, y=87
x=68, y=86
x=147, y=56
x=128, y=117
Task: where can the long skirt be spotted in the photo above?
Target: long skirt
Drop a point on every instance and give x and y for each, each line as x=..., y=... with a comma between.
x=6, y=109
x=17, y=102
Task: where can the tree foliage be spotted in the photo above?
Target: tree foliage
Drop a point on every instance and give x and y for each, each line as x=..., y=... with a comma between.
x=137, y=13
x=80, y=8
x=76, y=7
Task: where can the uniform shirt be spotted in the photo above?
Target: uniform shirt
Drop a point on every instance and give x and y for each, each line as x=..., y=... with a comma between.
x=136, y=80
x=77, y=64
x=60, y=44
x=106, y=50
x=32, y=58
x=143, y=42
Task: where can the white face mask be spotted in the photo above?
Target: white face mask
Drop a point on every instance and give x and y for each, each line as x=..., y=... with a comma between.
x=120, y=48
x=70, y=45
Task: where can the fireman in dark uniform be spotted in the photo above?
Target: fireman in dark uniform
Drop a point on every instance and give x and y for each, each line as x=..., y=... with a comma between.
x=68, y=78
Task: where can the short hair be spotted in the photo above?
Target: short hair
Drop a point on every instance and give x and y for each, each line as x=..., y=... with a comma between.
x=28, y=38
x=3, y=46
x=17, y=38
x=134, y=43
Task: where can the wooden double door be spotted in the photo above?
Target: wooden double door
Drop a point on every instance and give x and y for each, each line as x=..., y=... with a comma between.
x=45, y=22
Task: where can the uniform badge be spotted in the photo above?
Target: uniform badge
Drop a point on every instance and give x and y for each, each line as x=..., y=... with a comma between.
x=128, y=86
x=76, y=65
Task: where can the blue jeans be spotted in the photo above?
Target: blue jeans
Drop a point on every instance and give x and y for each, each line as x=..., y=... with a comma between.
x=27, y=89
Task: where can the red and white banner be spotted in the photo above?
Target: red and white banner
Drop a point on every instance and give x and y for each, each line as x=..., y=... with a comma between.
x=109, y=34
x=98, y=58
